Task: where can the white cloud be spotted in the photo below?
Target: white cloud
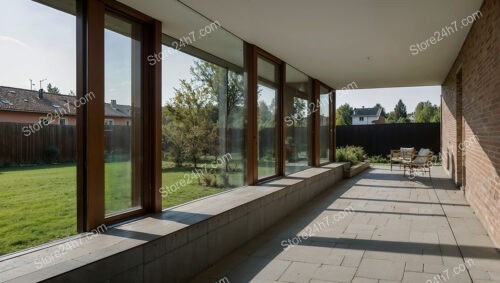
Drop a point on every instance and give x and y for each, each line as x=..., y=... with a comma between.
x=13, y=40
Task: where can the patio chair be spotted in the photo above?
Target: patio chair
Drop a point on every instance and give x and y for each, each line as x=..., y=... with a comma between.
x=398, y=156
x=422, y=161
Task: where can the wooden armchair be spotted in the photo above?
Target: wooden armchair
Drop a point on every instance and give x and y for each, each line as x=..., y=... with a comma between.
x=400, y=155
x=421, y=161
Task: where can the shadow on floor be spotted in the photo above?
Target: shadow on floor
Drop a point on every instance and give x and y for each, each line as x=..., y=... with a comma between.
x=294, y=224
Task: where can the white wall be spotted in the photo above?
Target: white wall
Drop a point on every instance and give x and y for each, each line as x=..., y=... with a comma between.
x=366, y=121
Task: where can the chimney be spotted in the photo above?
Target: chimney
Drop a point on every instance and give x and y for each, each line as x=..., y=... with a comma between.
x=40, y=93
x=113, y=104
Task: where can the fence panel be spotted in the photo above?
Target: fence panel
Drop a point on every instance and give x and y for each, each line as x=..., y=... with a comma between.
x=380, y=139
x=50, y=144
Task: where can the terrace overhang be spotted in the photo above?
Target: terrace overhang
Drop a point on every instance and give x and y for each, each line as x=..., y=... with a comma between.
x=373, y=43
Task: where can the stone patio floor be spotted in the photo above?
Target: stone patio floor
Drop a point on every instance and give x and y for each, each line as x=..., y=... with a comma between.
x=399, y=230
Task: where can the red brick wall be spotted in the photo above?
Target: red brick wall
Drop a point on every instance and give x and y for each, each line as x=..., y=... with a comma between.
x=480, y=116
x=380, y=120
x=32, y=118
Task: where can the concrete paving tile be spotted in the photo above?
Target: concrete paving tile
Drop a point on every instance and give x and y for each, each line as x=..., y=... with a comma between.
x=407, y=245
x=305, y=253
x=262, y=281
x=479, y=275
x=273, y=270
x=412, y=277
x=414, y=266
x=381, y=269
x=364, y=280
x=351, y=261
x=424, y=237
x=494, y=275
x=333, y=259
x=299, y=272
x=336, y=273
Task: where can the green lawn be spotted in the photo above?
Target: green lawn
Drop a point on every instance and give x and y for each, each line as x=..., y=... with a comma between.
x=38, y=204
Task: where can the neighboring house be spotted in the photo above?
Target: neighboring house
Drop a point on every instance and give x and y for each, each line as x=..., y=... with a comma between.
x=368, y=116
x=411, y=116
x=30, y=106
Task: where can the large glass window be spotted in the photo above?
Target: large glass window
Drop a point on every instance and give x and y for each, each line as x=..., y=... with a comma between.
x=37, y=122
x=267, y=111
x=202, y=125
x=298, y=120
x=123, y=135
x=324, y=124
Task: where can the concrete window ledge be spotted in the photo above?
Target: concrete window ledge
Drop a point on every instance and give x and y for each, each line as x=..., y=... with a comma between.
x=178, y=243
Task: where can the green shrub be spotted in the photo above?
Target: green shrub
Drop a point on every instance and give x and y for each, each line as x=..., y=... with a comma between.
x=52, y=152
x=359, y=152
x=379, y=159
x=352, y=154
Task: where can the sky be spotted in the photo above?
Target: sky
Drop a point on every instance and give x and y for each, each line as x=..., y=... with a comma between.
x=32, y=47
x=36, y=48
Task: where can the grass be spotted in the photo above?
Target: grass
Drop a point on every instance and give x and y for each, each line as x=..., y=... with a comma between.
x=38, y=204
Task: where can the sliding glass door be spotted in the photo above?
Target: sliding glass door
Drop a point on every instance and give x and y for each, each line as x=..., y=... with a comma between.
x=123, y=114
x=268, y=88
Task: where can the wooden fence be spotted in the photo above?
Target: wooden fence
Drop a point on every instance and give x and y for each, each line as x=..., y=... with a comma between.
x=57, y=143
x=380, y=139
x=53, y=143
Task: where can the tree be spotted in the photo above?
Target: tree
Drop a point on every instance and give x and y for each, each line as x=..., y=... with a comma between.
x=425, y=112
x=205, y=108
x=189, y=113
x=400, y=111
x=437, y=115
x=52, y=89
x=226, y=88
x=399, y=114
x=344, y=115
x=391, y=118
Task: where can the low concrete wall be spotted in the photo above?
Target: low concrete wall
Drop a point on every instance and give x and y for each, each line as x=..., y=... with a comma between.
x=179, y=256
x=356, y=169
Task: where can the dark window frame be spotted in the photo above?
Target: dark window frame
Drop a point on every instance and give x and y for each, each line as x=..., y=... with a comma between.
x=252, y=54
x=90, y=117
x=316, y=122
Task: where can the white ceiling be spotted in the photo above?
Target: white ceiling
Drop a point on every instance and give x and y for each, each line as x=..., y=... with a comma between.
x=335, y=41
x=179, y=21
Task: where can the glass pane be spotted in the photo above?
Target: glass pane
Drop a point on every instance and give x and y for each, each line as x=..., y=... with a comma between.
x=324, y=127
x=202, y=128
x=298, y=93
x=37, y=149
x=122, y=130
x=267, y=109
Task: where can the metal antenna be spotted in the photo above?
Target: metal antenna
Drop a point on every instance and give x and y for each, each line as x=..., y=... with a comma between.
x=41, y=82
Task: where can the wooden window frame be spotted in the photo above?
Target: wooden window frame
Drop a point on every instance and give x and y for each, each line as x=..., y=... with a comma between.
x=90, y=117
x=90, y=77
x=316, y=124
x=310, y=122
x=252, y=53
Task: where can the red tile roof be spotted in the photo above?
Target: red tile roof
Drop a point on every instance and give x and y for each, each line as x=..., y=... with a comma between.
x=24, y=100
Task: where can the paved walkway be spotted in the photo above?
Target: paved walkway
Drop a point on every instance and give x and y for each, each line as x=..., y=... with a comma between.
x=398, y=231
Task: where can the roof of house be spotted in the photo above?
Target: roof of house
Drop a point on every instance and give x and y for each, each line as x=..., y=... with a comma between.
x=375, y=111
x=24, y=100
